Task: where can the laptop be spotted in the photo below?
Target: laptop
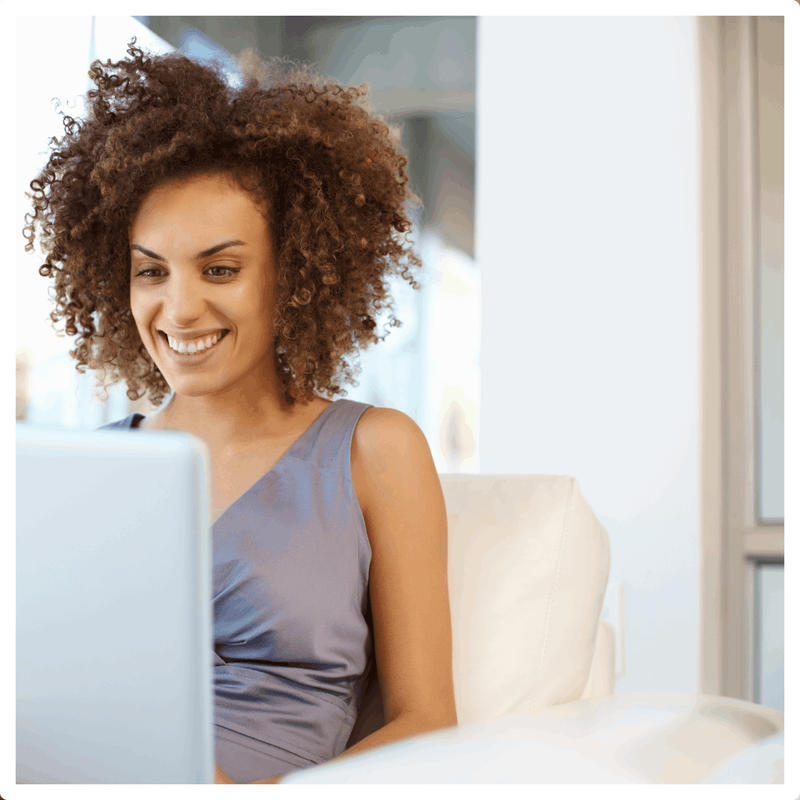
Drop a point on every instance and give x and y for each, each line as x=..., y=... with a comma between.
x=114, y=678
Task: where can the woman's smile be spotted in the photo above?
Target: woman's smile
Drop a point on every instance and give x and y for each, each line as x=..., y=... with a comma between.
x=203, y=266
x=197, y=351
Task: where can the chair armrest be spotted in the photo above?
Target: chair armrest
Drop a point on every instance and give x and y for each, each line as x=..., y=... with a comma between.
x=637, y=737
x=666, y=737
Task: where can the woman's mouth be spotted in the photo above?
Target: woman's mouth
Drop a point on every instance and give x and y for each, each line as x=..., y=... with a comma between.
x=196, y=351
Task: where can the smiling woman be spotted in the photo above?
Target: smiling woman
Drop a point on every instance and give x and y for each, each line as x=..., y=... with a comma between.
x=234, y=245
x=326, y=172
x=212, y=281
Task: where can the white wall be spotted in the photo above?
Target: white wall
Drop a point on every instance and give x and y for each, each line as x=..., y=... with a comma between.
x=586, y=233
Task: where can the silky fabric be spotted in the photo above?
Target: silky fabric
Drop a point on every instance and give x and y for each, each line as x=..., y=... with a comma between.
x=293, y=647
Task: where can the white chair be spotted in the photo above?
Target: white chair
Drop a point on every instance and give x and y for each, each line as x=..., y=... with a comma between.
x=533, y=664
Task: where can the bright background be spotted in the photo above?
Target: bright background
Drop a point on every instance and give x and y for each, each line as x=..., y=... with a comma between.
x=558, y=328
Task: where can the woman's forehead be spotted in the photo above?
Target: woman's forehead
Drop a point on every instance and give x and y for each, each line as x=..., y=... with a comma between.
x=204, y=206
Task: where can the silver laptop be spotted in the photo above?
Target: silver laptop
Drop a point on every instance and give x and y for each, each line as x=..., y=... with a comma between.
x=114, y=620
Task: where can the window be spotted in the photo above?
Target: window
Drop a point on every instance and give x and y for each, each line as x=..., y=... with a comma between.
x=741, y=643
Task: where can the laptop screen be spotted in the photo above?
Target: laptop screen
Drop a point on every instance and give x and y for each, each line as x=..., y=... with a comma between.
x=114, y=619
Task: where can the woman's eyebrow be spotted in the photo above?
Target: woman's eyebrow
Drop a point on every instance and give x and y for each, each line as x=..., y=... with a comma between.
x=204, y=254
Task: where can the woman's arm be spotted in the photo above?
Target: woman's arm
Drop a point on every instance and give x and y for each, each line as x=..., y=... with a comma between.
x=401, y=498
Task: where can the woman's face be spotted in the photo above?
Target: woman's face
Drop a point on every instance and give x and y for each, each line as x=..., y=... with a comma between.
x=203, y=262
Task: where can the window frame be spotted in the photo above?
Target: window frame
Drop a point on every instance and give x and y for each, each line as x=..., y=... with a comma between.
x=733, y=541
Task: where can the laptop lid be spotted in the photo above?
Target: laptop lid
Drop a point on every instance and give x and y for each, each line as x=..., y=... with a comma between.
x=114, y=678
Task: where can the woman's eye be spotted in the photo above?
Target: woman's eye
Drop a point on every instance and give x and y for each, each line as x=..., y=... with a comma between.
x=226, y=272
x=230, y=270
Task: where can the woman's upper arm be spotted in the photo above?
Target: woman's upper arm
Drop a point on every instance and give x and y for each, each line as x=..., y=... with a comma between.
x=401, y=498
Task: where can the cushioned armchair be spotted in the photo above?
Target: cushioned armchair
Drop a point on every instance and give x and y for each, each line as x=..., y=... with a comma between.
x=534, y=668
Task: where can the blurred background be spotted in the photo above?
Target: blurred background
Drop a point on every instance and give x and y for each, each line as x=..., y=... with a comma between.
x=422, y=78
x=576, y=315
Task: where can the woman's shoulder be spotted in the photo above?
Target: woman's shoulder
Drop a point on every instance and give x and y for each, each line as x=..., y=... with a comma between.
x=398, y=488
x=382, y=429
x=387, y=446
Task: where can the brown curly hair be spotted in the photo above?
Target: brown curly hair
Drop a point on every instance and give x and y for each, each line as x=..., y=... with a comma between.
x=329, y=173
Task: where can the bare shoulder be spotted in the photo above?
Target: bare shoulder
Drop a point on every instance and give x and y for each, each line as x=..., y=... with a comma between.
x=391, y=460
x=383, y=434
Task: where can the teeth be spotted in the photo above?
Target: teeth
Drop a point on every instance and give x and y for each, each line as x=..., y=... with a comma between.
x=196, y=346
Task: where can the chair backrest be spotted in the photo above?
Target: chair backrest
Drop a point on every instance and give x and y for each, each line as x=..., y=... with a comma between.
x=528, y=565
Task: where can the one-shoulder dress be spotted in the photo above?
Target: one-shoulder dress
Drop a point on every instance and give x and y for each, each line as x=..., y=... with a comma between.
x=293, y=646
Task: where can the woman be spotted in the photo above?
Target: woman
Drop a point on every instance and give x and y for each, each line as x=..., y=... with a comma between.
x=233, y=245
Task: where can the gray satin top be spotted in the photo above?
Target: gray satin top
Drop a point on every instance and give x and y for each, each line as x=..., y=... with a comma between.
x=292, y=624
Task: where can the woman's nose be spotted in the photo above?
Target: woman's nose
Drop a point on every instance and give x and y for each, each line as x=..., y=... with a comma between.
x=184, y=299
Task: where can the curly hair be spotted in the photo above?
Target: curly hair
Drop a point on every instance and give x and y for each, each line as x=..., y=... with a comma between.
x=329, y=173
